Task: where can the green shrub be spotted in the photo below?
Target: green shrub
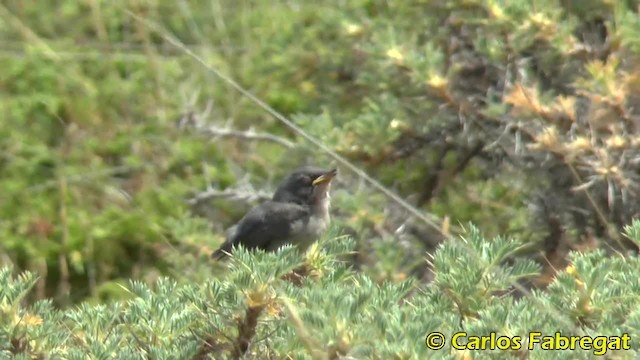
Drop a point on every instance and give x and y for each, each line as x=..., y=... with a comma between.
x=283, y=305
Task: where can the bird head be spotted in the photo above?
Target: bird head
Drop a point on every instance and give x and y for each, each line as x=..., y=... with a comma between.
x=306, y=186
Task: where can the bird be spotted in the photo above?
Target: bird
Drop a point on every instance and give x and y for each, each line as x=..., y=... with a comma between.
x=298, y=214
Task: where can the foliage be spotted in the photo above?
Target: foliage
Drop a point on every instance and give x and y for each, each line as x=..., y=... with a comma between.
x=284, y=305
x=124, y=158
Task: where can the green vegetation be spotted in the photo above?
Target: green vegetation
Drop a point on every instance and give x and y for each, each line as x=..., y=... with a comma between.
x=123, y=158
x=261, y=309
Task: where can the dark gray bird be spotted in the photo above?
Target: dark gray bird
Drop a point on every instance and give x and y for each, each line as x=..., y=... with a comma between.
x=297, y=214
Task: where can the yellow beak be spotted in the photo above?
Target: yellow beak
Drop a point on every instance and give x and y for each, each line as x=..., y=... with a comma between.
x=325, y=177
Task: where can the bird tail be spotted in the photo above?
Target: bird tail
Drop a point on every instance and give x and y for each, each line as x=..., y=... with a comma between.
x=222, y=252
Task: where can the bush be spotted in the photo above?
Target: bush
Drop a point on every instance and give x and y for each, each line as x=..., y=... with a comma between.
x=282, y=305
x=122, y=159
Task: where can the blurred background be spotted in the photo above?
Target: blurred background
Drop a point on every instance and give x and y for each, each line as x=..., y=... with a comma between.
x=123, y=155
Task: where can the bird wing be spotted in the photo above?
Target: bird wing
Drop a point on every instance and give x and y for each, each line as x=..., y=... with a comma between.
x=263, y=226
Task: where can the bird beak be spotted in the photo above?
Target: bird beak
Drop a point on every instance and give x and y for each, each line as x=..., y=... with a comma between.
x=325, y=178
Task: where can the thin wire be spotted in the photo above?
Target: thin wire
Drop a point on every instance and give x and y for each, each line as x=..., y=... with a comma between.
x=290, y=124
x=417, y=213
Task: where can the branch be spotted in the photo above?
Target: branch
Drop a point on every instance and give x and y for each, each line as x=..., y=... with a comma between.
x=194, y=121
x=234, y=194
x=246, y=331
x=247, y=135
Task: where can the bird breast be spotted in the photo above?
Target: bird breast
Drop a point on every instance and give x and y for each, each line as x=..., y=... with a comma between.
x=309, y=229
x=313, y=226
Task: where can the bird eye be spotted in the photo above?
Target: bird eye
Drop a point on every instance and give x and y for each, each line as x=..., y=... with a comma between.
x=305, y=179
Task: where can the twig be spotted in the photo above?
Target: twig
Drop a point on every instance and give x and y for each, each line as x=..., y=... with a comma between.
x=64, y=286
x=431, y=181
x=248, y=135
x=235, y=194
x=246, y=331
x=88, y=176
x=609, y=228
x=307, y=339
x=194, y=120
